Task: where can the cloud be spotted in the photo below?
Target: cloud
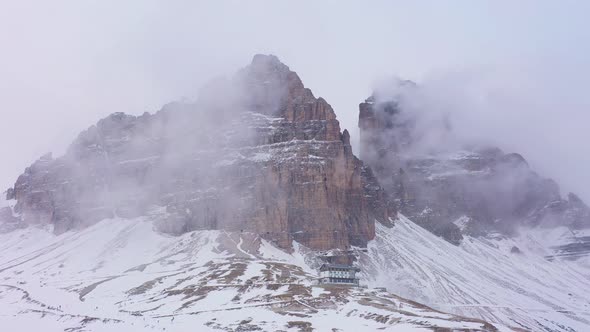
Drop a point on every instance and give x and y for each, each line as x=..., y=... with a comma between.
x=539, y=110
x=65, y=64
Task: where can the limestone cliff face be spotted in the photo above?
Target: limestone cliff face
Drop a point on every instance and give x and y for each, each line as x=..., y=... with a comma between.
x=255, y=153
x=454, y=190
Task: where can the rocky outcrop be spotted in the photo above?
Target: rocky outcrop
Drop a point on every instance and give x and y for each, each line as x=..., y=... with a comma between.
x=453, y=190
x=8, y=220
x=10, y=194
x=257, y=152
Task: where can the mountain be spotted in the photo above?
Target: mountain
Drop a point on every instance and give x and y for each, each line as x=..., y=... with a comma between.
x=122, y=275
x=257, y=152
x=502, y=280
x=479, y=232
x=216, y=215
x=455, y=188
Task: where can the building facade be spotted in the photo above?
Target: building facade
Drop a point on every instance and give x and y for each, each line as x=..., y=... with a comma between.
x=339, y=274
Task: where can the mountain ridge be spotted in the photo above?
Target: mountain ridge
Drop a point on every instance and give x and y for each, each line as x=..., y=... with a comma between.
x=453, y=188
x=257, y=152
x=232, y=202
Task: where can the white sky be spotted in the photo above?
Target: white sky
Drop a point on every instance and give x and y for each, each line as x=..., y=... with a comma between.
x=518, y=69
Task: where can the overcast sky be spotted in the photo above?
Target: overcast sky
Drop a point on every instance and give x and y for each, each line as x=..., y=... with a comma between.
x=516, y=72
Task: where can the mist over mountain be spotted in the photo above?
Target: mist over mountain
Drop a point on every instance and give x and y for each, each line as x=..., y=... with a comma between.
x=450, y=183
x=500, y=64
x=257, y=152
x=235, y=166
x=236, y=200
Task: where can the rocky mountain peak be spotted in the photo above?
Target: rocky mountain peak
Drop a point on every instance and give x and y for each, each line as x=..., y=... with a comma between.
x=269, y=67
x=272, y=88
x=257, y=153
x=454, y=188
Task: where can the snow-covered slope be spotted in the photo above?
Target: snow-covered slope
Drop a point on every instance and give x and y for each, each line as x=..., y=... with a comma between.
x=507, y=280
x=121, y=275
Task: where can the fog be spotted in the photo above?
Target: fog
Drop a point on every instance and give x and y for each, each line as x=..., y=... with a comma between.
x=511, y=74
x=537, y=109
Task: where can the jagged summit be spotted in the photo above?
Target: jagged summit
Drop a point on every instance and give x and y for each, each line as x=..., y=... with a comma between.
x=453, y=188
x=272, y=88
x=268, y=67
x=257, y=152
